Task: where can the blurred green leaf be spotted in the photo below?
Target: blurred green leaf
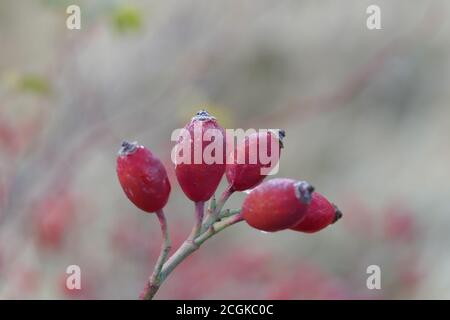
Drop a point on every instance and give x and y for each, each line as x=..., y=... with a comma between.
x=33, y=83
x=127, y=18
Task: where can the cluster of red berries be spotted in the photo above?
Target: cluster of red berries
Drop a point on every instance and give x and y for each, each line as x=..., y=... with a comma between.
x=273, y=205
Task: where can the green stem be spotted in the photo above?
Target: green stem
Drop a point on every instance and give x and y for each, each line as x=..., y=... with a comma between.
x=214, y=216
x=217, y=227
x=155, y=279
x=188, y=247
x=199, y=234
x=199, y=213
x=211, y=209
x=228, y=213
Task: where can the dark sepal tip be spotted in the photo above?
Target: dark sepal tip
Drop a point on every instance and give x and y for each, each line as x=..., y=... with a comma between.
x=304, y=191
x=281, y=136
x=127, y=147
x=203, y=115
x=337, y=214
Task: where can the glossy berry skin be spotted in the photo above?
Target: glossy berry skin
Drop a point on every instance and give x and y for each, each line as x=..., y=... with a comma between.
x=200, y=180
x=143, y=177
x=247, y=175
x=319, y=215
x=277, y=204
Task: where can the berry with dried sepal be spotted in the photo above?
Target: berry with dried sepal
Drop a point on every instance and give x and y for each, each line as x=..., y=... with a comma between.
x=247, y=175
x=199, y=177
x=320, y=214
x=143, y=177
x=277, y=204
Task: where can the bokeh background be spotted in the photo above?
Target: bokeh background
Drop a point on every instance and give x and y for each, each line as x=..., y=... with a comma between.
x=366, y=114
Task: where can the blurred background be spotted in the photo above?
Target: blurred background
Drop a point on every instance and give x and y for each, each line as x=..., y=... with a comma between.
x=366, y=114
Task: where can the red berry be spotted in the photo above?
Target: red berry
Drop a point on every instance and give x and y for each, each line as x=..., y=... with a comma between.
x=142, y=177
x=277, y=204
x=247, y=175
x=320, y=214
x=199, y=178
x=53, y=217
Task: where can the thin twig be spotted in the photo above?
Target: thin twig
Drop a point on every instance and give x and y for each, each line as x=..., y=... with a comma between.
x=199, y=212
x=211, y=208
x=214, y=216
x=228, y=213
x=217, y=227
x=155, y=280
x=188, y=247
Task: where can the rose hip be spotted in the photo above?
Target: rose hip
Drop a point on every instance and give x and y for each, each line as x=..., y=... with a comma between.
x=277, y=204
x=143, y=177
x=247, y=175
x=199, y=181
x=319, y=215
